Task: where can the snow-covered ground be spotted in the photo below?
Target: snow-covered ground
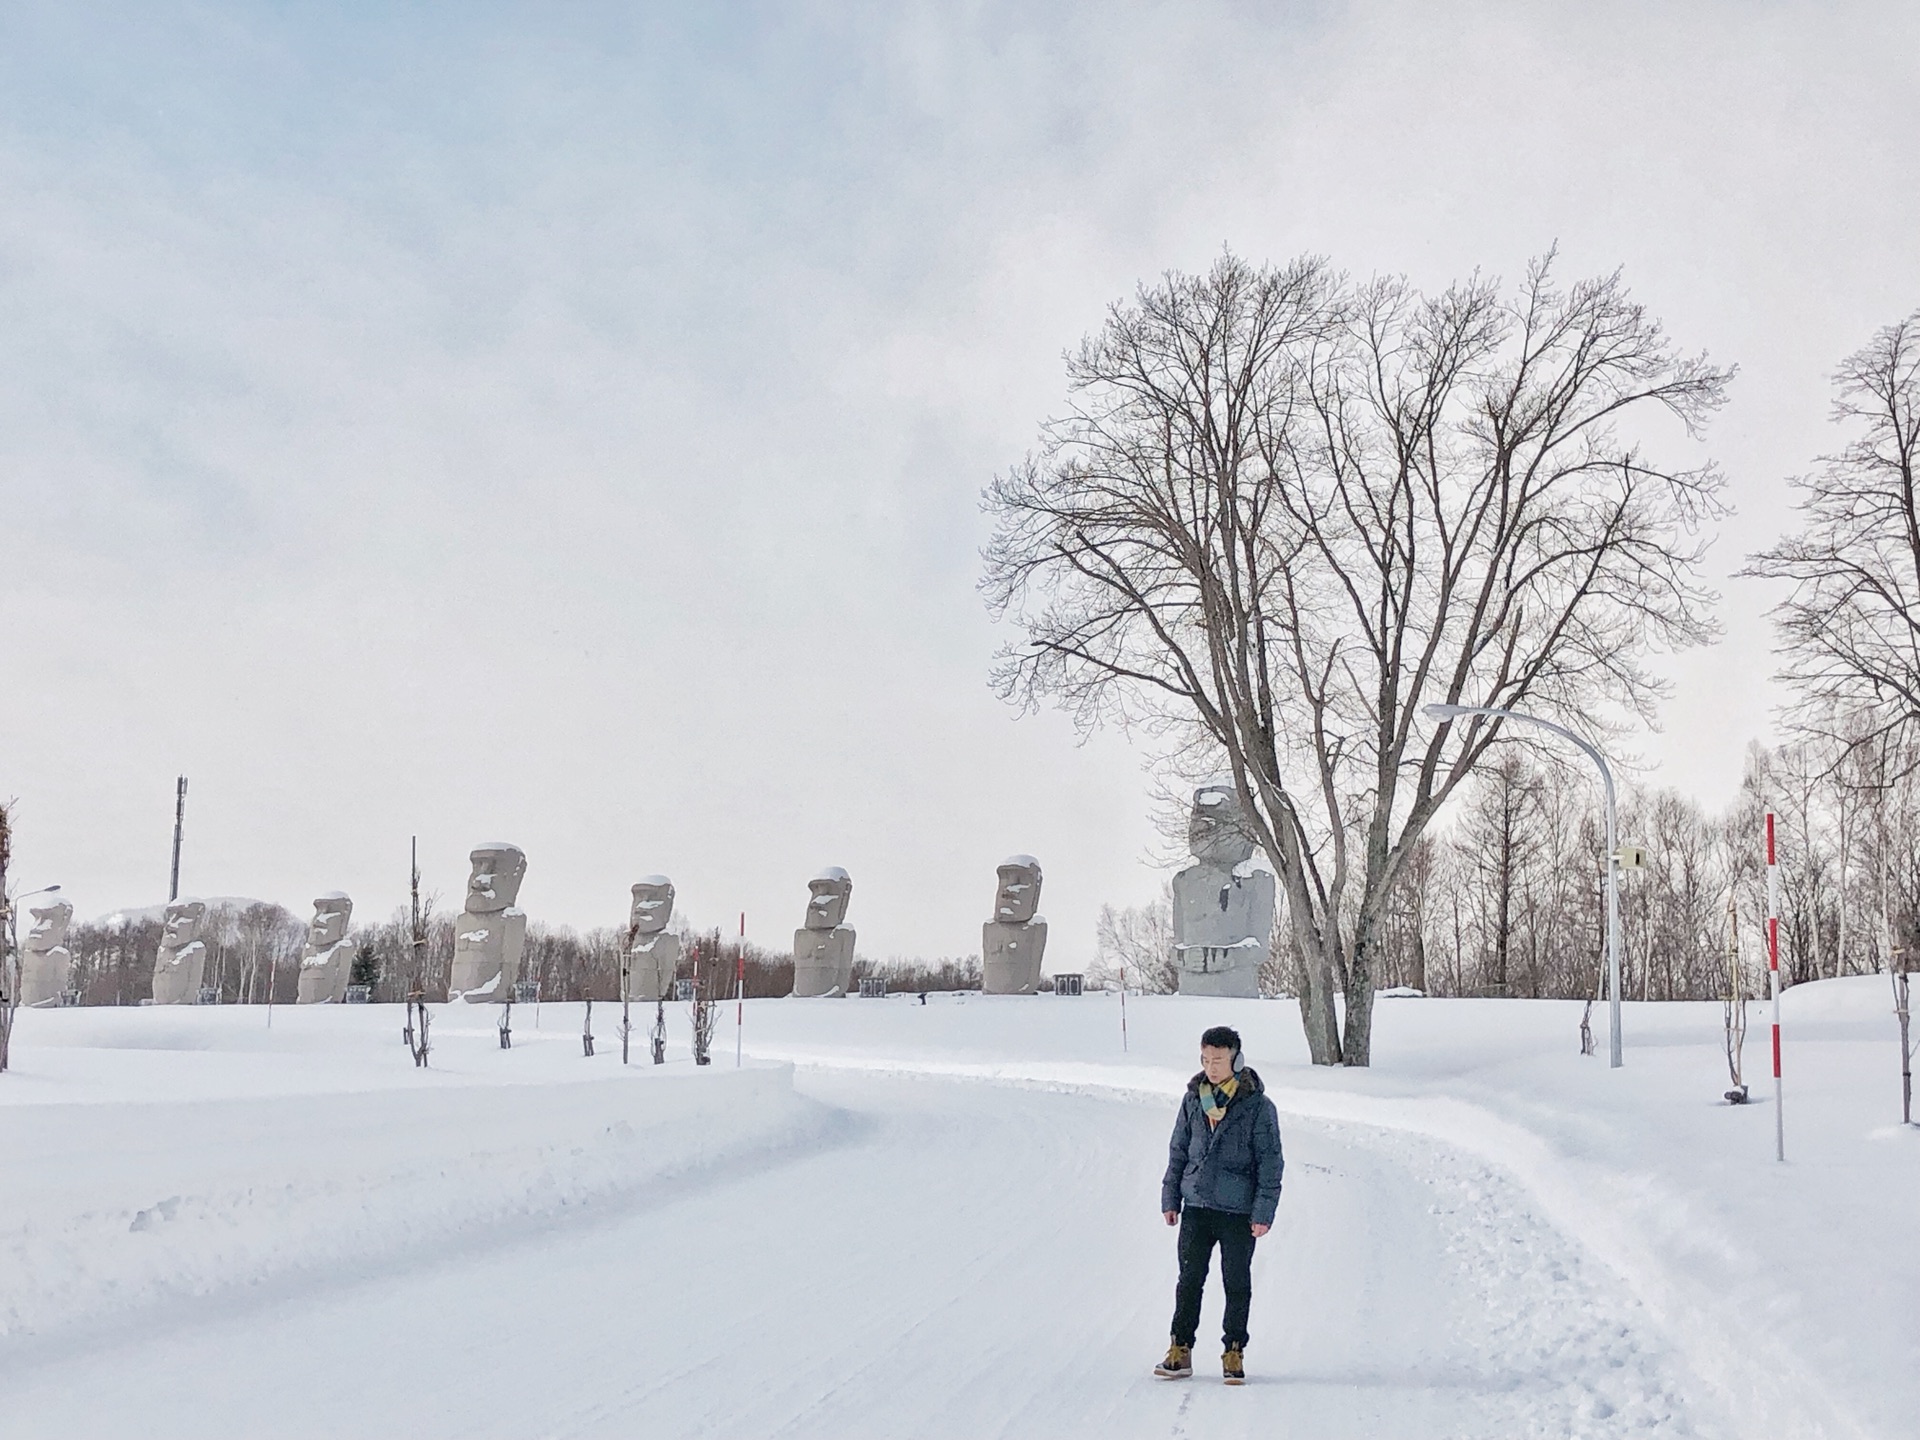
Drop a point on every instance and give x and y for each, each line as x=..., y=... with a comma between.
x=939, y=1220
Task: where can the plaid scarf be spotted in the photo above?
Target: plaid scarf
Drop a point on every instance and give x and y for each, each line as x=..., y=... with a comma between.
x=1214, y=1098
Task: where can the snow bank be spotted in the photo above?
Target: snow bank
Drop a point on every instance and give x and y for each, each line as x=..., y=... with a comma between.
x=109, y=1208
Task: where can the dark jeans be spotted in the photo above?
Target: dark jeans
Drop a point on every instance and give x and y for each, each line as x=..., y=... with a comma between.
x=1200, y=1231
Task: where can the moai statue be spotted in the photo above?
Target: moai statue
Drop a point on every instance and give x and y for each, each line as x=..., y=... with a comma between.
x=180, y=967
x=1014, y=941
x=46, y=962
x=328, y=962
x=1222, y=906
x=492, y=930
x=655, y=953
x=823, y=947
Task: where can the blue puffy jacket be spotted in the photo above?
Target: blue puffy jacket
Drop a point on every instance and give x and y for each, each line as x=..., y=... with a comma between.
x=1233, y=1166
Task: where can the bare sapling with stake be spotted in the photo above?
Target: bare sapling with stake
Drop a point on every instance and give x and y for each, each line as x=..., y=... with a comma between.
x=626, y=988
x=586, y=1031
x=1734, y=1005
x=704, y=1011
x=9, y=963
x=659, y=1036
x=1903, y=1012
x=418, y=1020
x=418, y=1023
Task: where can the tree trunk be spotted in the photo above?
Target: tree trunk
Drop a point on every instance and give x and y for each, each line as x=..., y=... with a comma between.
x=1317, y=1013
x=1316, y=991
x=1356, y=1045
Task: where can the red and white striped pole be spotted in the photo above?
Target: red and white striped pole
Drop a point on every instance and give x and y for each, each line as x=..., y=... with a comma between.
x=740, y=992
x=1773, y=979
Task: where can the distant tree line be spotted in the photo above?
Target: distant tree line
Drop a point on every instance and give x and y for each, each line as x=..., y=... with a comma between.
x=255, y=949
x=252, y=950
x=1509, y=899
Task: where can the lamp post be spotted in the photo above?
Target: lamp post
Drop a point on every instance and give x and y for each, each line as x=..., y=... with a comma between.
x=12, y=906
x=1454, y=712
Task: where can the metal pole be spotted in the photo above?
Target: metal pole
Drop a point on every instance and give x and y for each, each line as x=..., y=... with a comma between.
x=1773, y=980
x=740, y=992
x=179, y=822
x=416, y=940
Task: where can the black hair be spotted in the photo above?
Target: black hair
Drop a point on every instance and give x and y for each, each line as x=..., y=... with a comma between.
x=1222, y=1037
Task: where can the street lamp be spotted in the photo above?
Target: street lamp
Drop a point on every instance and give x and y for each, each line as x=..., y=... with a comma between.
x=12, y=907
x=1454, y=712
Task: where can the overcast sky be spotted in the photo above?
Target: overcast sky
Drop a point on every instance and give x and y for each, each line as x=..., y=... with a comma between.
x=565, y=423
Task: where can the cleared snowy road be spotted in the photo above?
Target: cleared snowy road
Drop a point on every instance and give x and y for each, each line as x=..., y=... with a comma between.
x=956, y=1259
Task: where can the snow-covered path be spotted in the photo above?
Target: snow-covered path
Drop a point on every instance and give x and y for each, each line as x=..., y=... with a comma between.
x=942, y=1258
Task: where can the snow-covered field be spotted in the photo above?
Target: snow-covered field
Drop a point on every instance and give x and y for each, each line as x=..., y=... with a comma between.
x=940, y=1220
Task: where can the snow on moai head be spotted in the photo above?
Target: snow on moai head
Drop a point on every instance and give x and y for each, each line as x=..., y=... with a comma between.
x=1013, y=944
x=652, y=905
x=1217, y=831
x=327, y=965
x=332, y=912
x=492, y=929
x=50, y=922
x=494, y=885
x=830, y=891
x=182, y=925
x=180, y=965
x=1019, y=894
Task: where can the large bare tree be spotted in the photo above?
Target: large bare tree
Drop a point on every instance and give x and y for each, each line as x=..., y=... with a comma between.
x=1284, y=510
x=1850, y=626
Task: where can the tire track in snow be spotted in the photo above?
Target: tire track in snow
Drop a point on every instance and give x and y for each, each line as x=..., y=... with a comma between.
x=1311, y=1377
x=1757, y=1384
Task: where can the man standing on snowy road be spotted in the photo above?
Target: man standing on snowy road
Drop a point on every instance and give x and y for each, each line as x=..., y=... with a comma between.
x=1221, y=1187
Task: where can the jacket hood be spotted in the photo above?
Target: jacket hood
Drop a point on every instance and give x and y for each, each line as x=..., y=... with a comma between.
x=1248, y=1077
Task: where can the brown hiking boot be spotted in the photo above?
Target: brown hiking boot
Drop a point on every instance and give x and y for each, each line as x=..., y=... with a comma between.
x=1178, y=1365
x=1231, y=1368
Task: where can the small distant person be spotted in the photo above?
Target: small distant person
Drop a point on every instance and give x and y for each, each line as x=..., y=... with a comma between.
x=1221, y=1188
